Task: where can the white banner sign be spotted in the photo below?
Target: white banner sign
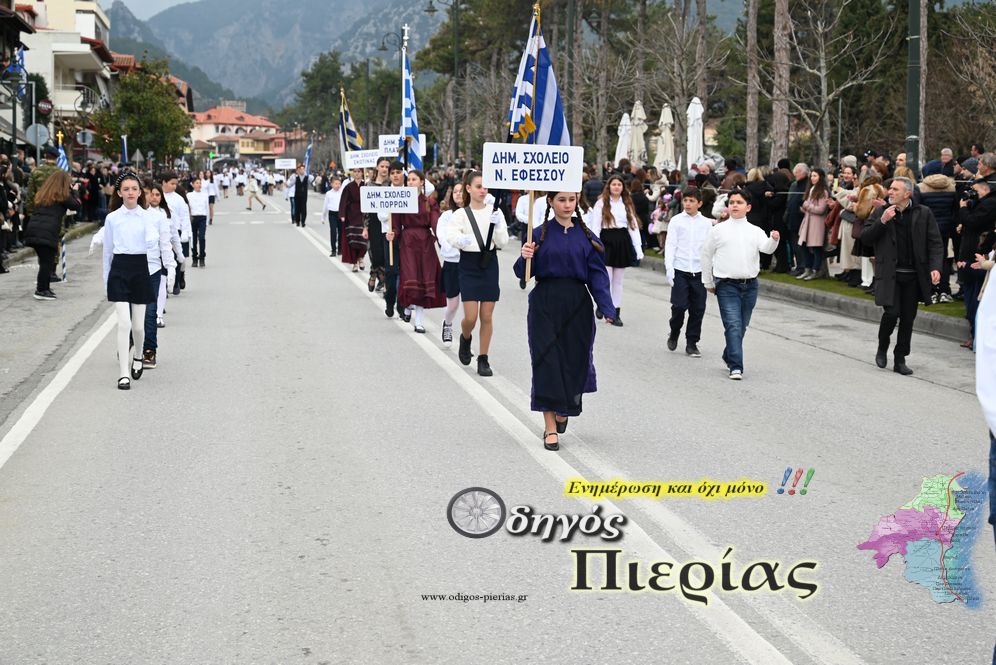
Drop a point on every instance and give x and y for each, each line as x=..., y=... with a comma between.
x=545, y=168
x=389, y=199
x=389, y=144
x=290, y=164
x=360, y=159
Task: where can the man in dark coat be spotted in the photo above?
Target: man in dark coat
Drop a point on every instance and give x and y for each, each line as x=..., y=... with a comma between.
x=908, y=255
x=976, y=222
x=780, y=180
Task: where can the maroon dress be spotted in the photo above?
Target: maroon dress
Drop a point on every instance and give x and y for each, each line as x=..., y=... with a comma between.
x=421, y=283
x=354, y=248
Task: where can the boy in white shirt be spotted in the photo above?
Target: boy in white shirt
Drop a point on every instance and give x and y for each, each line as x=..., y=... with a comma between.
x=730, y=264
x=199, y=210
x=686, y=236
x=330, y=211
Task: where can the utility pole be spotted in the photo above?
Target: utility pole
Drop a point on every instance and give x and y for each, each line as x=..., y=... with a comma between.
x=913, y=88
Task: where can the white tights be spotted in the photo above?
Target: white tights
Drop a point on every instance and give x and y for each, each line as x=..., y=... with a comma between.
x=131, y=321
x=418, y=314
x=452, y=304
x=616, y=282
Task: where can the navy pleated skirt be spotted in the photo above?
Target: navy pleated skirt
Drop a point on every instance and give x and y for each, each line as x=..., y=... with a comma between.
x=128, y=280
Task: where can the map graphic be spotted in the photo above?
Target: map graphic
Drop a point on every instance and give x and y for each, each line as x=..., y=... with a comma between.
x=935, y=533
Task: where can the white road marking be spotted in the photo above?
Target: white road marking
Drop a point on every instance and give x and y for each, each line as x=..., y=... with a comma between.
x=28, y=420
x=720, y=618
x=259, y=222
x=237, y=223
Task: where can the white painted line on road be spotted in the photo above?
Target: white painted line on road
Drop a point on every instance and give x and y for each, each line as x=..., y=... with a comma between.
x=237, y=223
x=36, y=410
x=728, y=626
x=260, y=222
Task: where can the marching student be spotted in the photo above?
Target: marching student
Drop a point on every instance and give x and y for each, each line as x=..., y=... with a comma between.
x=160, y=259
x=226, y=180
x=156, y=199
x=128, y=234
x=687, y=232
x=372, y=229
x=240, y=182
x=354, y=245
x=613, y=219
x=199, y=209
x=569, y=265
x=253, y=190
x=179, y=208
x=212, y=191
x=396, y=175
x=451, y=260
x=420, y=272
x=330, y=211
x=731, y=260
x=478, y=231
x=298, y=186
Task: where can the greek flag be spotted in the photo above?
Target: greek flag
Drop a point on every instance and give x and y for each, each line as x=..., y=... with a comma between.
x=307, y=160
x=62, y=161
x=536, y=114
x=17, y=67
x=349, y=137
x=409, y=120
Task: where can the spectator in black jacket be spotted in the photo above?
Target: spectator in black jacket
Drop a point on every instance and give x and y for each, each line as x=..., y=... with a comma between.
x=977, y=220
x=794, y=215
x=937, y=192
x=56, y=195
x=780, y=180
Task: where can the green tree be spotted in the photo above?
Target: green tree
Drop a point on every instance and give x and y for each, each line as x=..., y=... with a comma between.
x=146, y=109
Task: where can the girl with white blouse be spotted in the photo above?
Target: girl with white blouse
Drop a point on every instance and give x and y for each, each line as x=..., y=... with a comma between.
x=451, y=261
x=614, y=221
x=128, y=238
x=478, y=231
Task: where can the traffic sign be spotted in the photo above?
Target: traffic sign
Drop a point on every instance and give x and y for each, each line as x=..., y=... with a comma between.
x=85, y=138
x=36, y=134
x=44, y=106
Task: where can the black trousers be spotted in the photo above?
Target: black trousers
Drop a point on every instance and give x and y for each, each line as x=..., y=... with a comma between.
x=333, y=229
x=300, y=209
x=392, y=274
x=903, y=311
x=687, y=294
x=46, y=266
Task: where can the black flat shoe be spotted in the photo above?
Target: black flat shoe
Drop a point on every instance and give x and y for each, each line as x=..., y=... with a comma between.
x=598, y=313
x=562, y=426
x=124, y=383
x=136, y=373
x=881, y=359
x=551, y=446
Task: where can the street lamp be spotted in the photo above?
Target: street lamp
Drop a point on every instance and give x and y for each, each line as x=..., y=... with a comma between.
x=455, y=7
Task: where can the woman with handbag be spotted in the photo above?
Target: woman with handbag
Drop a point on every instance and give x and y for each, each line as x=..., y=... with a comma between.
x=569, y=265
x=420, y=285
x=812, y=233
x=478, y=231
x=613, y=219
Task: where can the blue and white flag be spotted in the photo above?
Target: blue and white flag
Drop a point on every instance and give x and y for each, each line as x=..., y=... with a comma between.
x=62, y=161
x=536, y=114
x=17, y=67
x=349, y=136
x=409, y=119
x=124, y=148
x=307, y=159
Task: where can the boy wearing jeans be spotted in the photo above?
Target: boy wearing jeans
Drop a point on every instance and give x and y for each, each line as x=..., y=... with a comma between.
x=686, y=236
x=730, y=264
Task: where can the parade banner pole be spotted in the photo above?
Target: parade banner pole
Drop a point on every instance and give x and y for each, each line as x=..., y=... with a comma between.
x=532, y=193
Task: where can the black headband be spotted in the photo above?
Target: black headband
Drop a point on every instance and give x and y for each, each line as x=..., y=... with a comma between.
x=125, y=175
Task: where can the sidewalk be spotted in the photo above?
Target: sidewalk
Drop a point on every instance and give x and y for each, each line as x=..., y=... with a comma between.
x=864, y=309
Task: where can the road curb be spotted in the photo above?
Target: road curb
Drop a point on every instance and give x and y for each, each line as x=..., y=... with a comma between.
x=938, y=325
x=26, y=254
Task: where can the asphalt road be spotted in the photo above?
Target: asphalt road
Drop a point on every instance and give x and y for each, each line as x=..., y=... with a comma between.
x=276, y=491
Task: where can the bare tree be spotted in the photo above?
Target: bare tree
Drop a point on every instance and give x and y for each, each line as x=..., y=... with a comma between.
x=577, y=125
x=641, y=28
x=973, y=65
x=701, y=59
x=780, y=87
x=922, y=130
x=829, y=60
x=600, y=99
x=753, y=85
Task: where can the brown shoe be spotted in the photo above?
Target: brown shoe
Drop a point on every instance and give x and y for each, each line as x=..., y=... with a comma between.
x=967, y=344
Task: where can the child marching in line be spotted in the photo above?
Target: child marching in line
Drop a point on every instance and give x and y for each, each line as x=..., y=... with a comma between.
x=569, y=265
x=614, y=220
x=330, y=211
x=451, y=261
x=687, y=233
x=478, y=231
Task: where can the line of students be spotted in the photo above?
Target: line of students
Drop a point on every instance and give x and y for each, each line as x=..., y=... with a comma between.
x=146, y=237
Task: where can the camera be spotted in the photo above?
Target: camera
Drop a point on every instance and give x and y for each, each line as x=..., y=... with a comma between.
x=970, y=195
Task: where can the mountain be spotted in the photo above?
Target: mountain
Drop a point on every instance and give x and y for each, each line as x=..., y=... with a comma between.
x=256, y=46
x=133, y=36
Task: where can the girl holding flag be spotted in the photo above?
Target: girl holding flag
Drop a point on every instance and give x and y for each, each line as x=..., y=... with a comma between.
x=568, y=262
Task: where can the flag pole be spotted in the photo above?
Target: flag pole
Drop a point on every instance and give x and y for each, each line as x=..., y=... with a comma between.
x=532, y=108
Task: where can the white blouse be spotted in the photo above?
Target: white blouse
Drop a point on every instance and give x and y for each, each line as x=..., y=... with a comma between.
x=460, y=233
x=449, y=252
x=620, y=220
x=127, y=232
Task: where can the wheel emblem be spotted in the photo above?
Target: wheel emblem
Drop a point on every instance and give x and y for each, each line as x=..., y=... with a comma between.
x=476, y=512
